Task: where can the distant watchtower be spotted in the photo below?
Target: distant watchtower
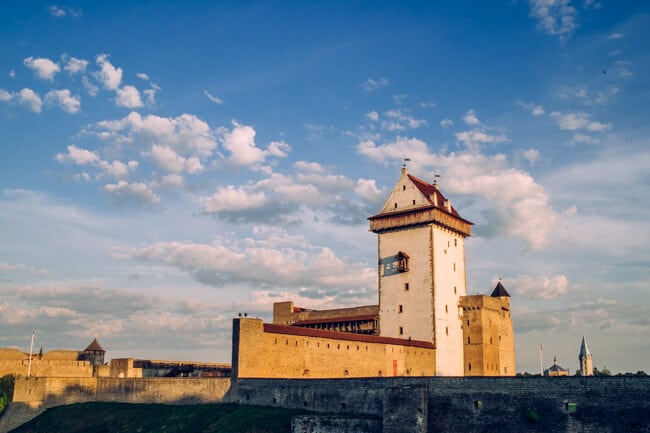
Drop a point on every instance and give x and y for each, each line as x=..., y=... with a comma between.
x=586, y=363
x=421, y=259
x=93, y=353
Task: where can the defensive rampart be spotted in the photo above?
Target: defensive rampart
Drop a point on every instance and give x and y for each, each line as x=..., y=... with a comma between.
x=469, y=405
x=404, y=404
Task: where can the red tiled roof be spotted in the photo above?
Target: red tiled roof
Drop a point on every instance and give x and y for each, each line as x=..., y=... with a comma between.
x=366, y=317
x=428, y=190
x=308, y=332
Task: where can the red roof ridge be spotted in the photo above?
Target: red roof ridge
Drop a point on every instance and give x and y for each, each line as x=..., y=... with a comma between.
x=347, y=336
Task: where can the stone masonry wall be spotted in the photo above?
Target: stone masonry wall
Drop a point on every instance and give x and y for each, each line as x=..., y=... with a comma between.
x=257, y=353
x=469, y=405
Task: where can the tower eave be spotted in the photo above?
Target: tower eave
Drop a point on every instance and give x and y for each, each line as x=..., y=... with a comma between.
x=417, y=216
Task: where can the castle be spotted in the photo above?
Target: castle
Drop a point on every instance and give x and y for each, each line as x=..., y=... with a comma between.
x=425, y=324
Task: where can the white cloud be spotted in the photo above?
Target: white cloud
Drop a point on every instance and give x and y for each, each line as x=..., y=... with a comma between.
x=540, y=287
x=108, y=75
x=63, y=99
x=475, y=138
x=429, y=104
x=240, y=142
x=56, y=11
x=30, y=99
x=151, y=96
x=470, y=118
x=12, y=74
x=78, y=156
x=258, y=264
x=446, y=123
x=400, y=121
x=370, y=84
x=213, y=98
x=131, y=193
x=142, y=76
x=554, y=17
x=616, y=36
x=367, y=189
x=186, y=134
x=44, y=68
x=5, y=96
x=128, y=96
x=531, y=155
x=8, y=267
x=233, y=199
x=583, y=138
x=535, y=110
x=309, y=167
x=74, y=65
x=578, y=120
x=166, y=158
x=399, y=98
x=90, y=87
x=373, y=115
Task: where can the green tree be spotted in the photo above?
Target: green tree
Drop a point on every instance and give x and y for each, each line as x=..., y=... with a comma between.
x=6, y=390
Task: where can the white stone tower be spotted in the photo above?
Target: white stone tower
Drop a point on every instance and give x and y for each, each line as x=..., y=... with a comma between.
x=586, y=363
x=421, y=251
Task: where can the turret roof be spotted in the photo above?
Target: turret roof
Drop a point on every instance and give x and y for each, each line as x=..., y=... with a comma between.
x=499, y=291
x=94, y=346
x=584, y=348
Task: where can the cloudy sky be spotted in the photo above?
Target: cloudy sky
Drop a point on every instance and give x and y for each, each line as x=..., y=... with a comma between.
x=166, y=166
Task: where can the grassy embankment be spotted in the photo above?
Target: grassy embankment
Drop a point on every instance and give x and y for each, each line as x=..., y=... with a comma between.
x=142, y=418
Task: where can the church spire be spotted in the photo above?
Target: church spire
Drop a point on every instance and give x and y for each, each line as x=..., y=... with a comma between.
x=584, y=348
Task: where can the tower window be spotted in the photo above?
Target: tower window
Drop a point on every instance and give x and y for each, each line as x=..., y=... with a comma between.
x=401, y=330
x=413, y=202
x=402, y=260
x=446, y=309
x=403, y=187
x=454, y=290
x=454, y=267
x=455, y=242
x=406, y=287
x=447, y=330
x=400, y=308
x=395, y=205
x=470, y=367
x=468, y=341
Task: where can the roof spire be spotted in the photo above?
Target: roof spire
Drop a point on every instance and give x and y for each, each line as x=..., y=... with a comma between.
x=584, y=347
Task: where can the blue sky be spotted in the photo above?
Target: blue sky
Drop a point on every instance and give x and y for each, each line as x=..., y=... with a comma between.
x=167, y=165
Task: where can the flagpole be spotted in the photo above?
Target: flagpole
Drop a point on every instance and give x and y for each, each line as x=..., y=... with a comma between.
x=31, y=349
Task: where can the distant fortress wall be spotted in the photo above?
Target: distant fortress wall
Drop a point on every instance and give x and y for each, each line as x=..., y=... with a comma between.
x=56, y=391
x=262, y=350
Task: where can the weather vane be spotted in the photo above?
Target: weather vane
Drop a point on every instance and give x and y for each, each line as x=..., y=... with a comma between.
x=406, y=159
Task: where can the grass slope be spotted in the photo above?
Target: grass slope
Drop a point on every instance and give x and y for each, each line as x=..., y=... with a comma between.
x=145, y=418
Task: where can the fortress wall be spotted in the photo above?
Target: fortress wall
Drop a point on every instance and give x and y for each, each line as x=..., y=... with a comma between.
x=11, y=354
x=56, y=391
x=469, y=405
x=259, y=353
x=163, y=390
x=49, y=368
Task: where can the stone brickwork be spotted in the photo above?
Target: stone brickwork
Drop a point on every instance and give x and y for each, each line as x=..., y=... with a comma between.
x=323, y=424
x=488, y=336
x=471, y=405
x=405, y=405
x=273, y=351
